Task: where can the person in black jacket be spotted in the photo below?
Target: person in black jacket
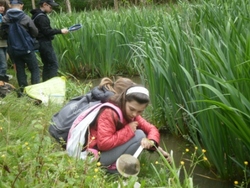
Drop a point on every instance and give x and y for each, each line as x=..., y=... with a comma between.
x=45, y=37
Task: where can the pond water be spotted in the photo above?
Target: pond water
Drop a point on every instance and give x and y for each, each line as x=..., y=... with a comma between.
x=202, y=177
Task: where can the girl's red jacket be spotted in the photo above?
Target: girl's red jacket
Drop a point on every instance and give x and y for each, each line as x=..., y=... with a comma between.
x=105, y=135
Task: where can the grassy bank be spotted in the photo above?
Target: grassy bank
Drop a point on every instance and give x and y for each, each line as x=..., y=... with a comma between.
x=30, y=157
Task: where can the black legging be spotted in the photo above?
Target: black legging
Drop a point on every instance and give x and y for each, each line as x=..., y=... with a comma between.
x=49, y=59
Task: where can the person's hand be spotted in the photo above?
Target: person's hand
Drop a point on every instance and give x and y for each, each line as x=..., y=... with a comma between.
x=133, y=125
x=64, y=31
x=146, y=143
x=165, y=154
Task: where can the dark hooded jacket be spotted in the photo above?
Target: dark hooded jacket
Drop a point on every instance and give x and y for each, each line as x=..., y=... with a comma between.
x=16, y=14
x=62, y=121
x=42, y=22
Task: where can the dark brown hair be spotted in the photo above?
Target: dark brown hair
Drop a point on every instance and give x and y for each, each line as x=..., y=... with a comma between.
x=121, y=99
x=118, y=86
x=5, y=3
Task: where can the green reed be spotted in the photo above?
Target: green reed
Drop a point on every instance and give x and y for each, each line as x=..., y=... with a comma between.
x=98, y=49
x=201, y=58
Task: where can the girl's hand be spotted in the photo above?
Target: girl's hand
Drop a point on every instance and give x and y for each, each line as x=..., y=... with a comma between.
x=133, y=125
x=165, y=154
x=146, y=143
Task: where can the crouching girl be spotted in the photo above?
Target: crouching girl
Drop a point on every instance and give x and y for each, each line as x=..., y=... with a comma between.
x=113, y=137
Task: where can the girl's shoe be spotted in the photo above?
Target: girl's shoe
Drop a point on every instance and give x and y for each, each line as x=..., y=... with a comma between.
x=94, y=152
x=112, y=168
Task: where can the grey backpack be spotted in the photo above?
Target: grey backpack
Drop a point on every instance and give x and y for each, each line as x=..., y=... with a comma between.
x=62, y=121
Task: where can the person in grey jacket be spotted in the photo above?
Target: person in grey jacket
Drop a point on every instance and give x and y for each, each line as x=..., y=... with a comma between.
x=15, y=13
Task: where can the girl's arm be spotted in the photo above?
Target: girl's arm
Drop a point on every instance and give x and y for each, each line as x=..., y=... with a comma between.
x=108, y=137
x=149, y=129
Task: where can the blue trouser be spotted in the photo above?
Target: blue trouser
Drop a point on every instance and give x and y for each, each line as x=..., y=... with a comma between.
x=130, y=147
x=48, y=56
x=3, y=61
x=32, y=64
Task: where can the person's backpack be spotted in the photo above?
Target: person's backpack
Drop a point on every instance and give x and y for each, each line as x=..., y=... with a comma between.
x=62, y=121
x=78, y=131
x=19, y=40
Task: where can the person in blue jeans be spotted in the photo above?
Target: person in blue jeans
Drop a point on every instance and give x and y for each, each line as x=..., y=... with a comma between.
x=3, y=45
x=45, y=37
x=15, y=12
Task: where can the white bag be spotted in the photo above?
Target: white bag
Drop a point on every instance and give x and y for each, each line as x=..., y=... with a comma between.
x=76, y=136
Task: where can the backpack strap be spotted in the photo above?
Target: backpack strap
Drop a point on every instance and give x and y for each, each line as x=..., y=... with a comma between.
x=76, y=136
x=97, y=107
x=40, y=14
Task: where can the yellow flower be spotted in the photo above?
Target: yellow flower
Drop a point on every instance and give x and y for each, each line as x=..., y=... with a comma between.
x=236, y=182
x=3, y=156
x=98, y=164
x=156, y=162
x=26, y=143
x=1, y=128
x=182, y=163
x=28, y=148
x=96, y=169
x=203, y=151
x=204, y=158
x=246, y=163
x=195, y=147
x=187, y=150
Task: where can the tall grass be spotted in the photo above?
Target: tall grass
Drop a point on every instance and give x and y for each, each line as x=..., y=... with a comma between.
x=98, y=49
x=199, y=55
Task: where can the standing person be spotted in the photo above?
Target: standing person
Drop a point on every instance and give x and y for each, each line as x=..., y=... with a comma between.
x=113, y=137
x=16, y=14
x=4, y=6
x=61, y=121
x=45, y=37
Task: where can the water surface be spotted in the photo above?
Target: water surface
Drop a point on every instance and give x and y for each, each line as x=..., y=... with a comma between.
x=202, y=178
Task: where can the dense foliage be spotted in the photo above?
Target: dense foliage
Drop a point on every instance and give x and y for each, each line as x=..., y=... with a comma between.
x=194, y=58
x=83, y=5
